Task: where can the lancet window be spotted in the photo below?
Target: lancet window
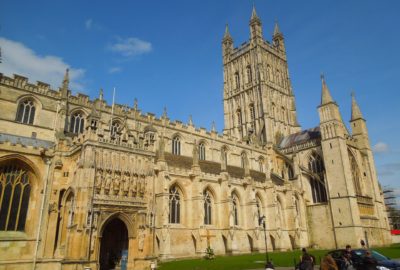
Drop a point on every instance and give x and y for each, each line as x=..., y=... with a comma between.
x=202, y=151
x=176, y=146
x=235, y=209
x=207, y=207
x=174, y=205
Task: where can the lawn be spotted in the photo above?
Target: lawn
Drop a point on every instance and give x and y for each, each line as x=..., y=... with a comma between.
x=256, y=260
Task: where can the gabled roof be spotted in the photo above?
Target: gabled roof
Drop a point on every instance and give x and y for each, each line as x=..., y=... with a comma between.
x=300, y=137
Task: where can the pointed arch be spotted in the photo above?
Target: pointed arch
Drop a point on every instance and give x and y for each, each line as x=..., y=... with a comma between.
x=121, y=216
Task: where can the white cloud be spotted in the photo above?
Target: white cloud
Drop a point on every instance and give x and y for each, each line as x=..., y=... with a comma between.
x=88, y=24
x=114, y=70
x=19, y=59
x=380, y=147
x=131, y=46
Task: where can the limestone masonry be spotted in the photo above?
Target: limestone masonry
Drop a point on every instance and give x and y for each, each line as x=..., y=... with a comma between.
x=82, y=186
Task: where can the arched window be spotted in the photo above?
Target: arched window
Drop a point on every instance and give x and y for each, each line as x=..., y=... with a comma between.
x=249, y=74
x=26, y=112
x=77, y=124
x=237, y=80
x=176, y=146
x=317, y=181
x=207, y=207
x=115, y=129
x=202, y=151
x=235, y=209
x=355, y=173
x=259, y=210
x=15, y=190
x=174, y=205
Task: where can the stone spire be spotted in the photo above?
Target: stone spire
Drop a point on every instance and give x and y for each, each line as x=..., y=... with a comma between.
x=227, y=34
x=355, y=109
x=254, y=15
x=277, y=31
x=65, y=84
x=190, y=123
x=101, y=94
x=326, y=95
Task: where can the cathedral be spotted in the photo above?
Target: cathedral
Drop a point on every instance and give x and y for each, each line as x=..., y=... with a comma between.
x=89, y=185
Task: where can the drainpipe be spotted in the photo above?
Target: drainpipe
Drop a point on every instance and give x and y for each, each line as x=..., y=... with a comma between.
x=48, y=162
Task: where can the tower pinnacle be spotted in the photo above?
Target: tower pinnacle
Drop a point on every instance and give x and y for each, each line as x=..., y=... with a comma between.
x=355, y=109
x=277, y=31
x=254, y=14
x=326, y=95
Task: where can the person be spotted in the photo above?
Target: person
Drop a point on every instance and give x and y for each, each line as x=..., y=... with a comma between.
x=306, y=260
x=362, y=242
x=369, y=262
x=348, y=263
x=328, y=263
x=269, y=266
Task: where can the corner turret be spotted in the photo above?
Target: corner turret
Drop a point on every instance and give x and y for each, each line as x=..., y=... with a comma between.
x=277, y=38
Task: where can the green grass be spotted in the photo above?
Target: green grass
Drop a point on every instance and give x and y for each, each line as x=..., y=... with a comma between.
x=256, y=260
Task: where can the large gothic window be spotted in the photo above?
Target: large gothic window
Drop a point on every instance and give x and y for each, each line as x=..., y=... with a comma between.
x=26, y=112
x=77, y=124
x=317, y=180
x=174, y=205
x=15, y=190
x=355, y=173
x=207, y=207
x=176, y=146
x=235, y=209
x=202, y=151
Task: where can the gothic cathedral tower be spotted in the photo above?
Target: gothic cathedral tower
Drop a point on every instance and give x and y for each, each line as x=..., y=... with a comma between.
x=258, y=97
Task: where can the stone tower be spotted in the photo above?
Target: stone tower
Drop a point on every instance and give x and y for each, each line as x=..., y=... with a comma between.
x=259, y=103
x=342, y=192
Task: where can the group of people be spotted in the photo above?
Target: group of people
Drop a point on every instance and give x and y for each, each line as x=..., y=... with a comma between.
x=346, y=261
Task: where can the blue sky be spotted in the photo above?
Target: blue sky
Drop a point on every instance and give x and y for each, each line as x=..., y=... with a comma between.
x=168, y=53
